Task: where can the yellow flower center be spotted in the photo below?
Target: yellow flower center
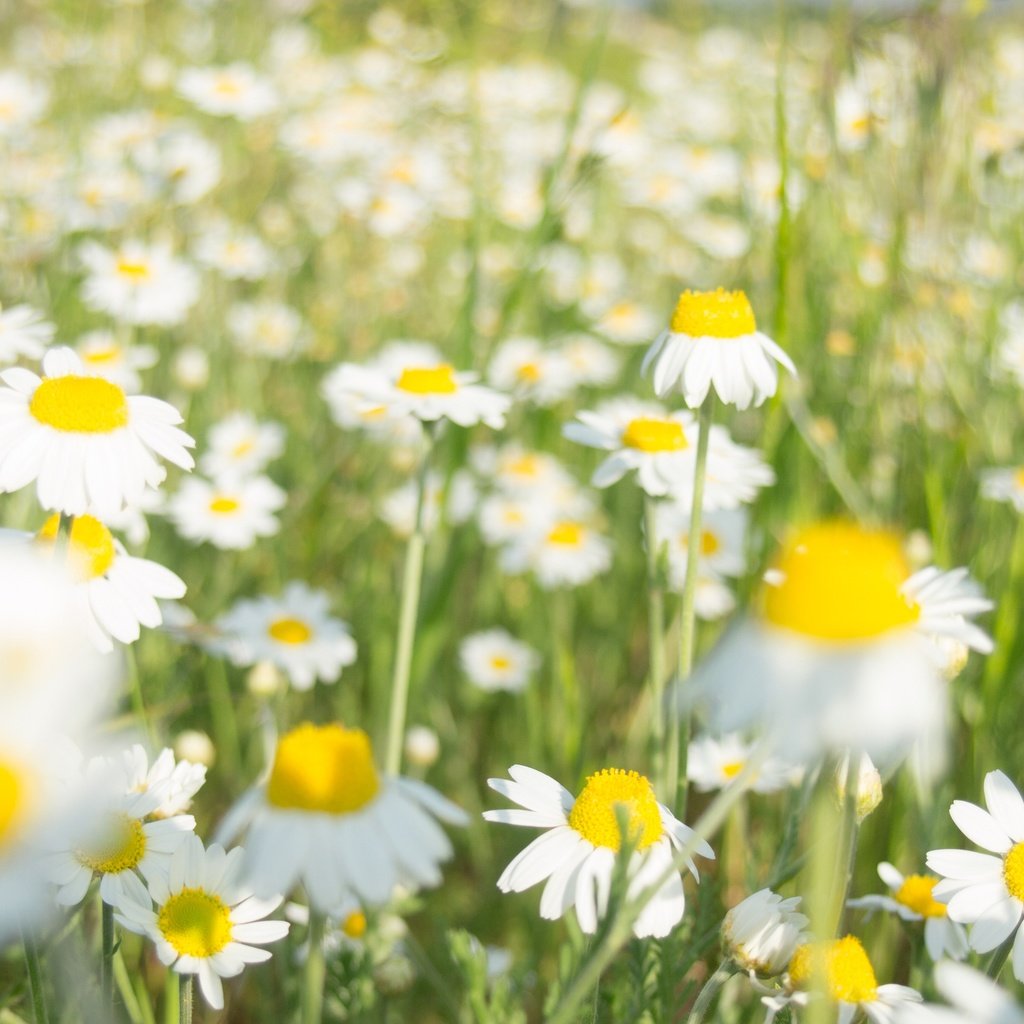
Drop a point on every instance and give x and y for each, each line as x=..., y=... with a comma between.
x=1018, y=477
x=354, y=925
x=499, y=663
x=648, y=434
x=195, y=923
x=529, y=372
x=916, y=894
x=841, y=965
x=80, y=405
x=429, y=380
x=91, y=544
x=567, y=534
x=1013, y=871
x=134, y=271
x=717, y=314
x=289, y=631
x=224, y=506
x=101, y=354
x=121, y=849
x=732, y=769
x=840, y=582
x=525, y=465
x=227, y=87
x=243, y=448
x=593, y=813
x=325, y=768
x=12, y=801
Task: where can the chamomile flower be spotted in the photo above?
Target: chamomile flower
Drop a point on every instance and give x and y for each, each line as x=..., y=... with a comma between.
x=520, y=471
x=974, y=999
x=237, y=254
x=228, y=512
x=326, y=817
x=240, y=444
x=986, y=890
x=565, y=552
x=723, y=533
x=627, y=323
x=576, y=854
x=495, y=660
x=452, y=500
x=22, y=102
x=527, y=368
x=86, y=444
x=267, y=328
x=912, y=898
x=1004, y=484
x=235, y=90
x=102, y=355
x=712, y=763
x=588, y=362
x=24, y=333
x=295, y=632
x=119, y=590
x=713, y=341
x=176, y=781
x=202, y=916
x=762, y=933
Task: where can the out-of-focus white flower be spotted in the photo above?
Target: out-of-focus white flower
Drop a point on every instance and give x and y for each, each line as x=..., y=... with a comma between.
x=494, y=660
x=762, y=933
x=235, y=90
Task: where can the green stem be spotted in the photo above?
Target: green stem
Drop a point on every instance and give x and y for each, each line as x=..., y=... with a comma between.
x=656, y=647
x=135, y=690
x=222, y=715
x=185, y=999
x=412, y=579
x=106, y=963
x=707, y=994
x=35, y=978
x=1006, y=624
x=998, y=958
x=679, y=738
x=172, y=999
x=128, y=994
x=313, y=975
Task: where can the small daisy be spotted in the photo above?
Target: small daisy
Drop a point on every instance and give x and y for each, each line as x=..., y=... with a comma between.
x=186, y=165
x=975, y=999
x=22, y=102
x=912, y=899
x=235, y=90
x=945, y=600
x=119, y=590
x=267, y=328
x=82, y=439
x=566, y=552
x=295, y=632
x=24, y=333
x=986, y=890
x=520, y=471
x=589, y=363
x=240, y=444
x=530, y=370
x=627, y=323
x=762, y=933
x=453, y=501
x=228, y=512
x=577, y=851
x=326, y=817
x=495, y=660
x=103, y=356
x=713, y=763
x=176, y=781
x=205, y=920
x=1004, y=484
x=723, y=534
x=713, y=341
x=237, y=254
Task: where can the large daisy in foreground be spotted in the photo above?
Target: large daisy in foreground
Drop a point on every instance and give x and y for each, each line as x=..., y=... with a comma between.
x=88, y=445
x=576, y=854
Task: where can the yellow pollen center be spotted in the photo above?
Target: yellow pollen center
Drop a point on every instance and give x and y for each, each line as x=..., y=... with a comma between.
x=525, y=465
x=355, y=925
x=135, y=272
x=1018, y=477
x=709, y=543
x=101, y=354
x=593, y=813
x=325, y=768
x=121, y=849
x=717, y=314
x=227, y=87
x=648, y=434
x=916, y=894
x=841, y=583
x=566, y=533
x=732, y=769
x=91, y=544
x=80, y=405
x=499, y=663
x=224, y=506
x=289, y=631
x=529, y=372
x=243, y=448
x=195, y=923
x=841, y=965
x=429, y=380
x=1013, y=871
x=12, y=801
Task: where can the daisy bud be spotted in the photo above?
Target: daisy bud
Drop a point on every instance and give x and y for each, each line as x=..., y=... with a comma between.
x=264, y=679
x=869, y=785
x=422, y=747
x=191, y=369
x=762, y=933
x=195, y=746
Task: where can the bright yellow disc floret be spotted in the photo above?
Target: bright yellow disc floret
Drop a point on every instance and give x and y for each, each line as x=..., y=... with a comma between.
x=429, y=380
x=716, y=314
x=648, y=434
x=91, y=544
x=841, y=965
x=80, y=405
x=593, y=813
x=195, y=923
x=916, y=894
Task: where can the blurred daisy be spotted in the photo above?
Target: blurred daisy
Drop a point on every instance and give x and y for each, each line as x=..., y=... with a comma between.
x=22, y=102
x=494, y=660
x=986, y=890
x=627, y=322
x=1004, y=484
x=228, y=512
x=530, y=370
x=975, y=999
x=762, y=933
x=237, y=254
x=509, y=518
x=186, y=165
x=176, y=781
x=944, y=601
x=267, y=328
x=235, y=90
x=82, y=439
x=240, y=444
x=295, y=632
x=327, y=818
x=713, y=341
x=713, y=763
x=567, y=552
x=577, y=851
x=24, y=333
x=521, y=471
x=103, y=356
x=588, y=362
x=735, y=474
x=138, y=283
x=202, y=917
x=723, y=535
x=119, y=590
x=452, y=500
x=912, y=898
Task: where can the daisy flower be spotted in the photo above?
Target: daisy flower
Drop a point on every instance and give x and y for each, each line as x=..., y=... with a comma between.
x=240, y=444
x=88, y=445
x=514, y=469
x=986, y=890
x=186, y=165
x=589, y=362
x=295, y=632
x=723, y=534
x=119, y=590
x=22, y=101
x=229, y=512
x=176, y=781
x=762, y=933
x=567, y=552
x=102, y=355
x=713, y=341
x=575, y=856
x=326, y=817
x=530, y=370
x=975, y=999
x=495, y=660
x=237, y=254
x=627, y=323
x=267, y=328
x=235, y=90
x=912, y=899
x=453, y=501
x=713, y=763
x=202, y=917
x=24, y=333
x=1004, y=484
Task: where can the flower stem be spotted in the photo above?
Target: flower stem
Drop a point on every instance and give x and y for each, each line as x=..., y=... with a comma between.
x=679, y=736
x=412, y=578
x=707, y=994
x=135, y=692
x=35, y=978
x=107, y=961
x=185, y=999
x=222, y=714
x=998, y=958
x=313, y=977
x=1006, y=624
x=172, y=997
x=656, y=647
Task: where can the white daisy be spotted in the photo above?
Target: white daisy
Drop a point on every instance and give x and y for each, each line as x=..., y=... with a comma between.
x=912, y=899
x=627, y=323
x=945, y=600
x=713, y=341
x=205, y=920
x=588, y=361
x=185, y=165
x=238, y=254
x=242, y=445
x=712, y=763
x=267, y=328
x=82, y=439
x=295, y=632
x=234, y=90
x=723, y=533
x=494, y=660
x=102, y=355
x=975, y=999
x=1004, y=484
x=521, y=471
x=566, y=552
x=762, y=933
x=576, y=854
x=528, y=369
x=228, y=512
x=452, y=500
x=24, y=333
x=22, y=102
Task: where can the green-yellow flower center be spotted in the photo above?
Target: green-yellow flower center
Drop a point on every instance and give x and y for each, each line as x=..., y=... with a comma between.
x=354, y=925
x=593, y=814
x=195, y=923
x=916, y=894
x=717, y=314
x=91, y=545
x=80, y=405
x=289, y=631
x=840, y=582
x=500, y=663
x=121, y=849
x=429, y=380
x=325, y=768
x=1013, y=871
x=840, y=965
x=650, y=434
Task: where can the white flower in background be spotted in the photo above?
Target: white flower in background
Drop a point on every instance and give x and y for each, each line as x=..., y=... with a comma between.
x=454, y=502
x=1004, y=484
x=238, y=254
x=495, y=660
x=205, y=920
x=24, y=333
x=735, y=474
x=853, y=116
x=912, y=898
x=242, y=445
x=762, y=933
x=566, y=552
x=186, y=165
x=520, y=471
x=530, y=370
x=723, y=535
x=295, y=632
x=588, y=362
x=102, y=355
x=422, y=746
x=86, y=444
x=975, y=999
x=228, y=512
x=176, y=781
x=234, y=90
x=945, y=600
x=627, y=323
x=712, y=763
x=576, y=853
x=22, y=102
x=267, y=328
